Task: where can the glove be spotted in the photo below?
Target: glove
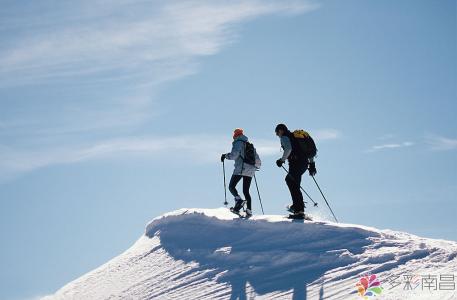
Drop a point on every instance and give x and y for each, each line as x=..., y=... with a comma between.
x=279, y=163
x=223, y=157
x=312, y=168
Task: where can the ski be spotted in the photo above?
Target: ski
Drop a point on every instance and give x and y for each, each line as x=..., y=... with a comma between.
x=242, y=208
x=239, y=214
x=299, y=217
x=293, y=216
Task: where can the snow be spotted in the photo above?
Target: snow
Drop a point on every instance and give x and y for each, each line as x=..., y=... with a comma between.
x=212, y=254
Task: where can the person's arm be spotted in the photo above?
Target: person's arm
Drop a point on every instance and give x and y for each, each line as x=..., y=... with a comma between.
x=311, y=167
x=236, y=151
x=286, y=146
x=258, y=162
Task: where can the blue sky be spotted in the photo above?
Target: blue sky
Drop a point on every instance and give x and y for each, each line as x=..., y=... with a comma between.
x=112, y=113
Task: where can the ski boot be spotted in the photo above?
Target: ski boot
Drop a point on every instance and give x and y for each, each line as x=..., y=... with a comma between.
x=297, y=215
x=290, y=208
x=239, y=204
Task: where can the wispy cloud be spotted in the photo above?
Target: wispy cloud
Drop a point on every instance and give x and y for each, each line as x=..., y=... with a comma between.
x=434, y=142
x=14, y=162
x=326, y=134
x=103, y=62
x=147, y=42
x=390, y=146
x=442, y=143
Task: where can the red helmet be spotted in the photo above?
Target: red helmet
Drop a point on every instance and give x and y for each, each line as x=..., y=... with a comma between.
x=237, y=132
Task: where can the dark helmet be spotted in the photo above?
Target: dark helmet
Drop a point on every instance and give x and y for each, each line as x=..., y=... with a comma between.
x=281, y=127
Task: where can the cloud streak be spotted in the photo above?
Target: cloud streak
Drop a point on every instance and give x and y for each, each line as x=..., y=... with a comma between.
x=441, y=143
x=390, y=146
x=103, y=62
x=194, y=148
x=198, y=149
x=326, y=134
x=148, y=42
x=434, y=143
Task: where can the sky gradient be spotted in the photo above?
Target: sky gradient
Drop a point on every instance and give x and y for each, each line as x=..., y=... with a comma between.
x=112, y=113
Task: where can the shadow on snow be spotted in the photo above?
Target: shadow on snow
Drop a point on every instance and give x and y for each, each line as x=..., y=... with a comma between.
x=270, y=256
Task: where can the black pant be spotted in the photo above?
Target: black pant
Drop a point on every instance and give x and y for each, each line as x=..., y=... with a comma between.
x=246, y=185
x=293, y=180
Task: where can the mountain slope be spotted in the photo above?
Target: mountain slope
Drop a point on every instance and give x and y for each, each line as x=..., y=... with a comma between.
x=211, y=254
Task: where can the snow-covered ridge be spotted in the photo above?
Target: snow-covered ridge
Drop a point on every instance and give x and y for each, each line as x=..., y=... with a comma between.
x=212, y=254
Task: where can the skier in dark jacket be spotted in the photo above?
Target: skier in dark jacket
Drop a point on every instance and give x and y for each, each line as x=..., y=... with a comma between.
x=298, y=164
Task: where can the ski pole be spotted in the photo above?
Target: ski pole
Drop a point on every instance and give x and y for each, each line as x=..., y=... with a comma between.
x=315, y=203
x=256, y=185
x=225, y=185
x=325, y=199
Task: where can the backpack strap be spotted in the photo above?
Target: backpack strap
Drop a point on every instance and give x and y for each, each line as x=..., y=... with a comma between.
x=242, y=158
x=296, y=151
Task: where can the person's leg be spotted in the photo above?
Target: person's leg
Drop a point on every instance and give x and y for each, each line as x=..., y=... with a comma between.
x=299, y=171
x=246, y=185
x=293, y=180
x=292, y=189
x=299, y=196
x=232, y=185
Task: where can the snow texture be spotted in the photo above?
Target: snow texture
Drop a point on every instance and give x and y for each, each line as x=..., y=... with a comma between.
x=212, y=254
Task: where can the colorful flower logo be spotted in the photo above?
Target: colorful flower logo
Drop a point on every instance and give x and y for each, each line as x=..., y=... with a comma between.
x=369, y=286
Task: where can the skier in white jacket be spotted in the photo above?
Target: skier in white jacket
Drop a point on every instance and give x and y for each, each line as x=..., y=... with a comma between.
x=243, y=170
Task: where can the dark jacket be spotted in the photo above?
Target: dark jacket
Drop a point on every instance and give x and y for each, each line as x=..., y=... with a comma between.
x=292, y=151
